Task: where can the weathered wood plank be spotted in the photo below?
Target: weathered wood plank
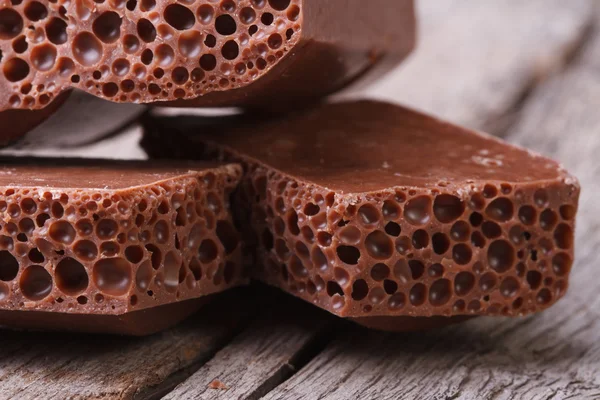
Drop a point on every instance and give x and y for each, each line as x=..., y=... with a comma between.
x=552, y=355
x=476, y=59
x=531, y=358
x=490, y=74
x=60, y=366
x=264, y=355
x=486, y=56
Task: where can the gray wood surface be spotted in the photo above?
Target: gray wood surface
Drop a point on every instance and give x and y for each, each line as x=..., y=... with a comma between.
x=67, y=366
x=273, y=348
x=476, y=59
x=553, y=355
x=529, y=70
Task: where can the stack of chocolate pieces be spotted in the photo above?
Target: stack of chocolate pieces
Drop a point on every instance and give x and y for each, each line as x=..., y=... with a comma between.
x=369, y=210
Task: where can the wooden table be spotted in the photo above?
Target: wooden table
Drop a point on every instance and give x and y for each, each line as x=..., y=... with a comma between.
x=528, y=71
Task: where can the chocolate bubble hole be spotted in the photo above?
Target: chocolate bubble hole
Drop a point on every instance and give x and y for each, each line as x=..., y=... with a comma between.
x=179, y=43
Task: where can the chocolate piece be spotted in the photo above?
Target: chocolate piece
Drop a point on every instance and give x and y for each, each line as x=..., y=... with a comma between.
x=111, y=239
x=402, y=323
x=371, y=210
x=14, y=124
x=83, y=119
x=134, y=323
x=236, y=52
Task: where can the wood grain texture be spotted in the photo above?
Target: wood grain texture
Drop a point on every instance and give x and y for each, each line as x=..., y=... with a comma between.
x=476, y=59
x=476, y=62
x=67, y=366
x=553, y=355
x=264, y=355
x=488, y=77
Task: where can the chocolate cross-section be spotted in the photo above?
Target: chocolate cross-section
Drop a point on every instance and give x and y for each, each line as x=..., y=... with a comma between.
x=225, y=53
x=371, y=210
x=113, y=246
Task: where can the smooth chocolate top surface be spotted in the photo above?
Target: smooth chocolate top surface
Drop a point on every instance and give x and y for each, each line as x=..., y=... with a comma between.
x=372, y=210
x=93, y=174
x=363, y=146
x=110, y=237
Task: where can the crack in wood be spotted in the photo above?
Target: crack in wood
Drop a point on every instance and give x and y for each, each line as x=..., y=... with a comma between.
x=538, y=357
x=500, y=125
x=287, y=335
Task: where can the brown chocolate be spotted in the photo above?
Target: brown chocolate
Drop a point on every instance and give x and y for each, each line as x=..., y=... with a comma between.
x=399, y=323
x=134, y=323
x=16, y=123
x=229, y=53
x=371, y=210
x=111, y=239
x=82, y=119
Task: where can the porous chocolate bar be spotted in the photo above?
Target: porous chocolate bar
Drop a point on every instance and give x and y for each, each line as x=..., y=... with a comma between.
x=218, y=53
x=113, y=246
x=371, y=211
